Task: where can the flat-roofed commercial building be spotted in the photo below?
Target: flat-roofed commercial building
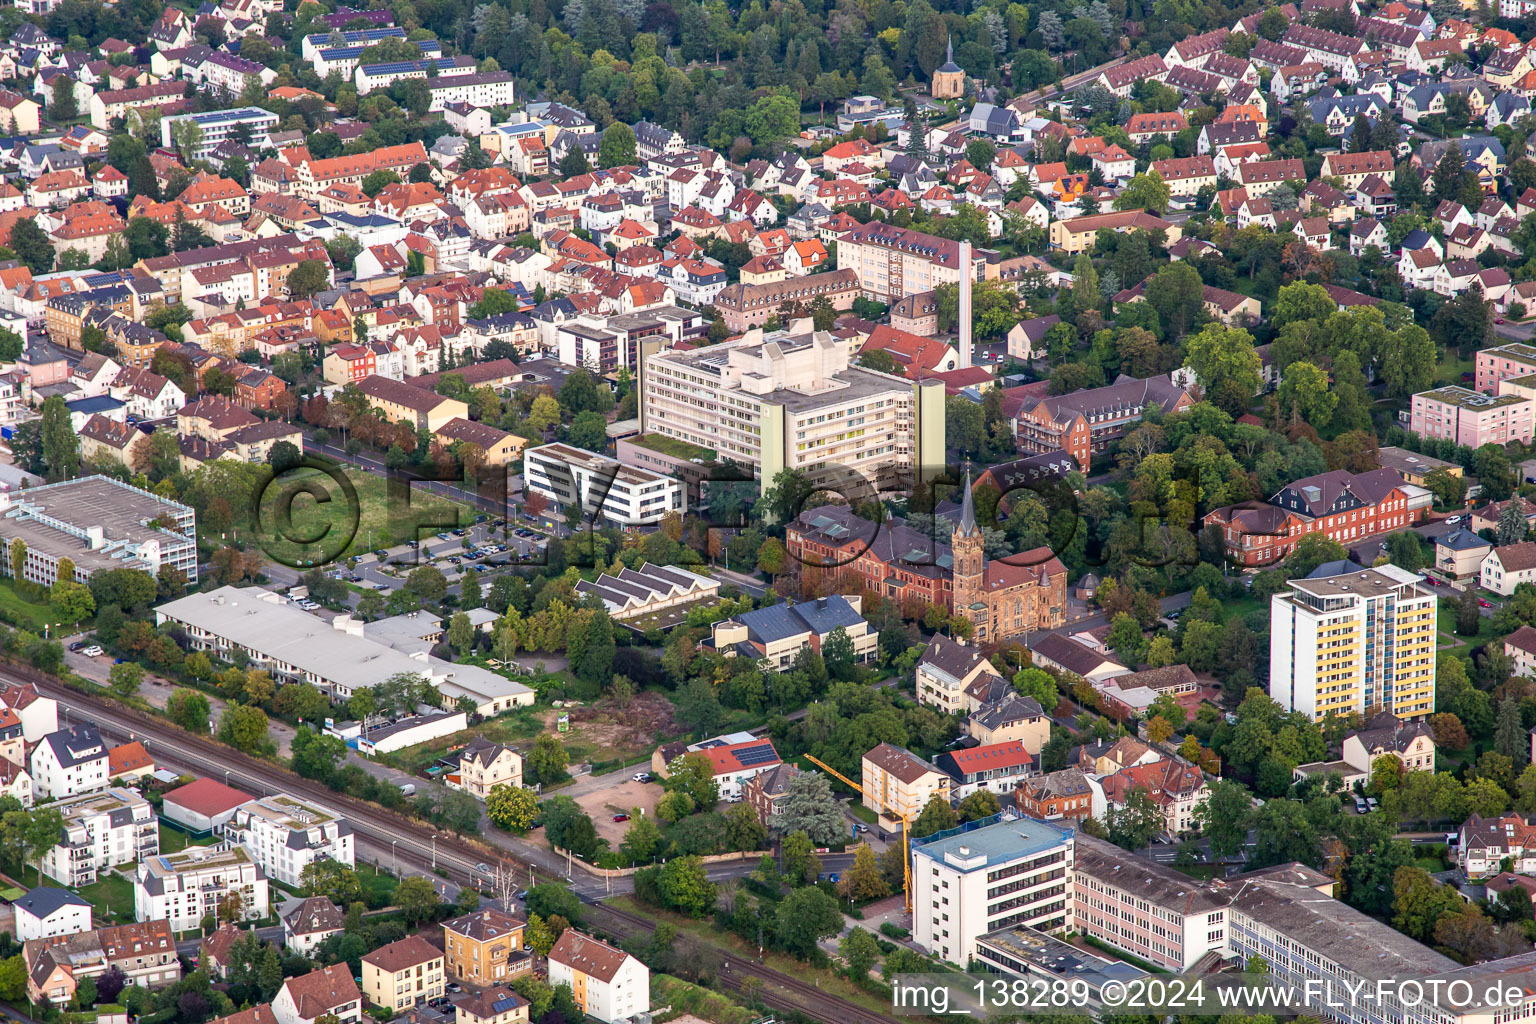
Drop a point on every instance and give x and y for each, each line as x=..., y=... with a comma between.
x=793, y=400
x=601, y=487
x=293, y=645
x=97, y=523
x=1348, y=638
x=969, y=882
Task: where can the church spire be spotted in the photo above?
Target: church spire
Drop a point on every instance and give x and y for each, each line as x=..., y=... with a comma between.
x=967, y=508
x=949, y=49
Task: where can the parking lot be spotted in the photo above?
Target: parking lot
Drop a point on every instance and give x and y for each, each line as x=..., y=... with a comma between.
x=621, y=798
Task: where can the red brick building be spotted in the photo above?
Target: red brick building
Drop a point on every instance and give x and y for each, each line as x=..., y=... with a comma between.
x=1085, y=423
x=259, y=389
x=1342, y=506
x=1064, y=794
x=1001, y=597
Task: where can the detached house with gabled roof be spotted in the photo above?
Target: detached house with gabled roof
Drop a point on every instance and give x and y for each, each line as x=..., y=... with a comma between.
x=945, y=672
x=70, y=762
x=1175, y=786
x=327, y=990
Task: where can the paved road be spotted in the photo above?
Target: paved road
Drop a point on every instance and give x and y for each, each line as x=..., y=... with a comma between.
x=1168, y=604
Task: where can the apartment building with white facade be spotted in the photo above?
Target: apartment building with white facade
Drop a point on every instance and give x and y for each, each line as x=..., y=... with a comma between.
x=603, y=488
x=967, y=882
x=609, y=984
x=285, y=835
x=794, y=400
x=102, y=831
x=1352, y=640
x=219, y=125
x=183, y=888
x=482, y=89
x=70, y=762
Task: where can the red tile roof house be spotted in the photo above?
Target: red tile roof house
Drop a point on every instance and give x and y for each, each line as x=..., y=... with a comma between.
x=997, y=767
x=1175, y=786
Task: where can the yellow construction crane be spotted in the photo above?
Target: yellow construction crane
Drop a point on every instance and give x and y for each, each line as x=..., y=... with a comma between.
x=906, y=824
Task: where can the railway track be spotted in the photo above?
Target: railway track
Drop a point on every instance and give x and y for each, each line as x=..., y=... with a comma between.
x=399, y=839
x=776, y=989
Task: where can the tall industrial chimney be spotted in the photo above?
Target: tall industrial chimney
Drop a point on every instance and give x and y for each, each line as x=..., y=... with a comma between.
x=965, y=305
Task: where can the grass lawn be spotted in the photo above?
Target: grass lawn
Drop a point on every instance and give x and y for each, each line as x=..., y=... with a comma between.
x=378, y=885
x=112, y=896
x=1446, y=623
x=319, y=529
x=1450, y=368
x=25, y=613
x=1241, y=607
x=863, y=813
x=829, y=982
x=173, y=840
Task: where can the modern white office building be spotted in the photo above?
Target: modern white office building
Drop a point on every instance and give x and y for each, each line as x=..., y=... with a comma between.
x=794, y=401
x=183, y=888
x=604, y=488
x=1352, y=640
x=102, y=831
x=285, y=835
x=968, y=882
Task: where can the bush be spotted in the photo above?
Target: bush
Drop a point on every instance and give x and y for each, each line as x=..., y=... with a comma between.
x=894, y=931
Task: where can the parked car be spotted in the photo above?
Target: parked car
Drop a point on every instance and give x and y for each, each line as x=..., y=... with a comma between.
x=1452, y=520
x=641, y=777
x=861, y=827
x=1483, y=602
x=78, y=645
x=621, y=817
x=93, y=651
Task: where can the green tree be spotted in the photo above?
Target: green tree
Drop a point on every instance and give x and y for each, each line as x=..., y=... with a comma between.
x=417, y=899
x=71, y=602
x=32, y=246
x=1177, y=295
x=1135, y=825
x=618, y=146
x=1144, y=192
x=810, y=807
x=244, y=728
x=188, y=709
x=863, y=880
x=686, y=887
x=801, y=865
x=1224, y=817
x=804, y=918
x=61, y=445
x=1306, y=396
x=125, y=679
x=936, y=816
x=642, y=840
x=547, y=761
x=309, y=277
x=513, y=808
x=860, y=950
x=1226, y=364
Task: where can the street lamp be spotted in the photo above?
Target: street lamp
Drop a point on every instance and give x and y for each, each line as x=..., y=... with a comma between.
x=394, y=856
x=434, y=851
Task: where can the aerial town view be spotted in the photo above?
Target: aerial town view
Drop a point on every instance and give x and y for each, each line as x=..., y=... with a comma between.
x=767, y=511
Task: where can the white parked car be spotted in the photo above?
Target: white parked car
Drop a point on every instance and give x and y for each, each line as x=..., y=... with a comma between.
x=93, y=651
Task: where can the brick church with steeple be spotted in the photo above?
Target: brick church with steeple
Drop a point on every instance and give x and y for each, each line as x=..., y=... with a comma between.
x=1001, y=597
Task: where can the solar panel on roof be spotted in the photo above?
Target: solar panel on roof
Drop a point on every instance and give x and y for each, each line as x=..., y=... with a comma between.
x=759, y=754
x=504, y=1003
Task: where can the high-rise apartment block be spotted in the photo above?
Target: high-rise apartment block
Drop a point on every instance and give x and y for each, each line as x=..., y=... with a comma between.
x=1350, y=640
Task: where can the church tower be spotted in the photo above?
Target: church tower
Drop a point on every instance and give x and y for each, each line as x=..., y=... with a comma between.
x=949, y=80
x=969, y=563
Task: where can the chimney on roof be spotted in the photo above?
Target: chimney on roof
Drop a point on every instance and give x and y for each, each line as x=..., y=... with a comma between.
x=965, y=305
